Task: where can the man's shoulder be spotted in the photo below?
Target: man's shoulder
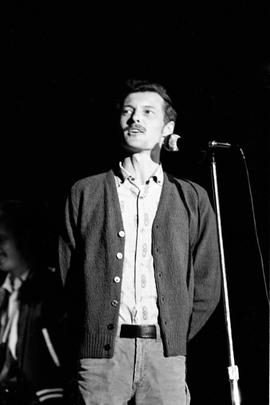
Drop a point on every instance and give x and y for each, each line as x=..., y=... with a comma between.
x=90, y=182
x=188, y=187
x=194, y=196
x=43, y=283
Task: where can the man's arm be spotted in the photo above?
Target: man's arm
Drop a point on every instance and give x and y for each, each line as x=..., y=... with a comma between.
x=206, y=263
x=67, y=243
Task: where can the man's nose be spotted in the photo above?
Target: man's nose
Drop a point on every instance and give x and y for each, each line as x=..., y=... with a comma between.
x=135, y=117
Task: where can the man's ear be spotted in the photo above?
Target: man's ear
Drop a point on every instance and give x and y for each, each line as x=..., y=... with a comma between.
x=168, y=128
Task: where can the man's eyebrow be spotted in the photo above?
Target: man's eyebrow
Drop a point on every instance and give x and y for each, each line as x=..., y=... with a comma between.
x=150, y=106
x=144, y=106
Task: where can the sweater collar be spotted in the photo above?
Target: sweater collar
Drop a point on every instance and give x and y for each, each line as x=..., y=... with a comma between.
x=14, y=283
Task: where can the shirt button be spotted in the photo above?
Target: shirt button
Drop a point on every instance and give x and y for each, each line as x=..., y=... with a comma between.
x=114, y=303
x=121, y=234
x=119, y=255
x=116, y=279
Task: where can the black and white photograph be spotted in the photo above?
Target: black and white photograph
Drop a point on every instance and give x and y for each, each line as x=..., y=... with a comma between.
x=134, y=203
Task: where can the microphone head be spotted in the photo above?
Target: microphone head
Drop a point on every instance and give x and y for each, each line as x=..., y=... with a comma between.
x=170, y=143
x=215, y=144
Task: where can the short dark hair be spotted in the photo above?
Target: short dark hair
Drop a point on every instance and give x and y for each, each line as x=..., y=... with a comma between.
x=136, y=85
x=28, y=225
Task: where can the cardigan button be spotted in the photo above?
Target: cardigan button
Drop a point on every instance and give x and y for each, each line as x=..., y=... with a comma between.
x=121, y=234
x=116, y=279
x=119, y=255
x=114, y=303
x=110, y=326
x=107, y=347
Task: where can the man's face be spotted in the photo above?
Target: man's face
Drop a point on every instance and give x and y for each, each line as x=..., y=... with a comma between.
x=11, y=259
x=142, y=121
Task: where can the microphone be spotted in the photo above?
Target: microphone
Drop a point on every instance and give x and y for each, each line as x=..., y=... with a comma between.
x=172, y=143
x=214, y=145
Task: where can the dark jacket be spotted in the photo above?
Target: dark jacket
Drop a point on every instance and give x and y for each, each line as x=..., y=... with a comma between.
x=41, y=371
x=184, y=249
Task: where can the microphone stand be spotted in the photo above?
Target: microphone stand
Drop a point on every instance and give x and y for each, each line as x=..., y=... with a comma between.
x=232, y=369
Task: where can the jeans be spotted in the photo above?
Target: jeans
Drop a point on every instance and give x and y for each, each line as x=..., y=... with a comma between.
x=137, y=370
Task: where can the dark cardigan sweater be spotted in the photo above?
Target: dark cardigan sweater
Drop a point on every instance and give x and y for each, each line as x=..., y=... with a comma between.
x=184, y=249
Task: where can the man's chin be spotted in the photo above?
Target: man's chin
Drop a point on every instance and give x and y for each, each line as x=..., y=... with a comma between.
x=133, y=148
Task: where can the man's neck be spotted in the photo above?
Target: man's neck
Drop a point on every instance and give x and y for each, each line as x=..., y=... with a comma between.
x=141, y=166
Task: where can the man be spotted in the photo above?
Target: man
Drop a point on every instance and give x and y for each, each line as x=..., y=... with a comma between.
x=32, y=317
x=140, y=261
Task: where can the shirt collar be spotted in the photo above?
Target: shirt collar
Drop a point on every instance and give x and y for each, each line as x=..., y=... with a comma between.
x=157, y=176
x=10, y=284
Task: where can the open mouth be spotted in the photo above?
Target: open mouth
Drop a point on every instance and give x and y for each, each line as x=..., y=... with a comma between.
x=134, y=131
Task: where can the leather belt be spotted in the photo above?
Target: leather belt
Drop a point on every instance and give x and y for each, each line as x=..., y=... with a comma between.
x=138, y=331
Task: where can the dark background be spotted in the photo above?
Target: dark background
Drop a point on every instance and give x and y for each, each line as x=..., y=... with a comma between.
x=63, y=63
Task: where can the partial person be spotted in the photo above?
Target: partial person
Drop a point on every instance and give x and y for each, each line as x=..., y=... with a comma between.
x=32, y=314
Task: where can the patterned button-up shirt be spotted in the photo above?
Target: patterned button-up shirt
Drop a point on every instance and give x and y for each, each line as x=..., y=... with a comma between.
x=138, y=207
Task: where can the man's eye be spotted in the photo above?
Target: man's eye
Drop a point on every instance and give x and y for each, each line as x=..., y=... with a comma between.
x=126, y=112
x=148, y=112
